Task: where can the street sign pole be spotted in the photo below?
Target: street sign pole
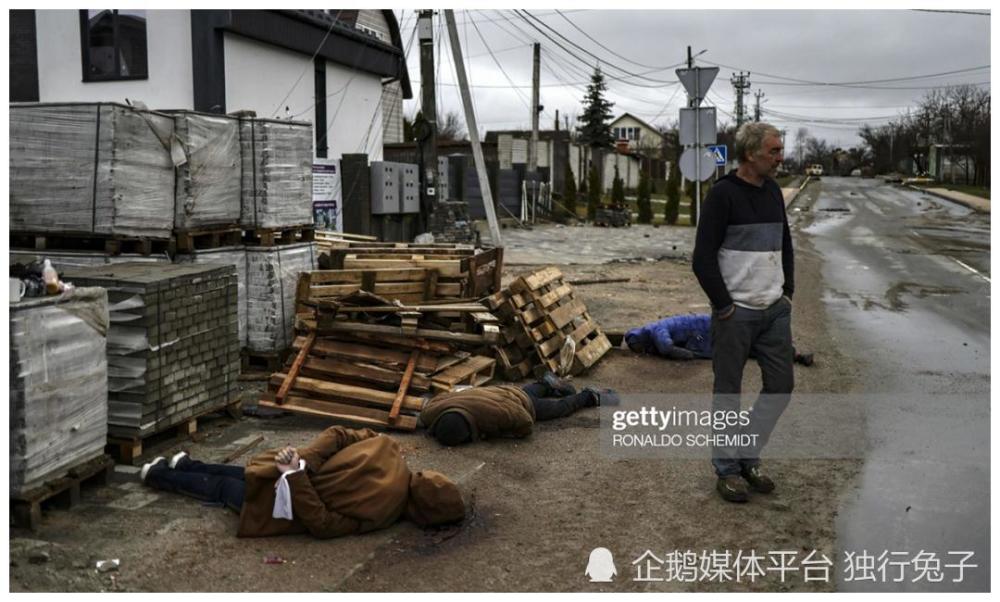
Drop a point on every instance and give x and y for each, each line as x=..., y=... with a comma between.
x=695, y=205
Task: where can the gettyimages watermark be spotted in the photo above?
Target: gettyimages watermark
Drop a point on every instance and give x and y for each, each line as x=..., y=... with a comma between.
x=797, y=426
x=785, y=566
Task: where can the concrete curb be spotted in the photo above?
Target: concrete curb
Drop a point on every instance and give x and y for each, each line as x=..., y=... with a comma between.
x=956, y=200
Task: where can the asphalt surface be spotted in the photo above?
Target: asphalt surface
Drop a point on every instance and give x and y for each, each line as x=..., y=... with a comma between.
x=908, y=289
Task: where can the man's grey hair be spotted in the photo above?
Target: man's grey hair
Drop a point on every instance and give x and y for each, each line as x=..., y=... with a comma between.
x=750, y=137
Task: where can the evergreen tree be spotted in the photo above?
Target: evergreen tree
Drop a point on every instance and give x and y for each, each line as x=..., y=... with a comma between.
x=617, y=190
x=595, y=122
x=673, y=195
x=643, y=199
x=593, y=193
x=570, y=197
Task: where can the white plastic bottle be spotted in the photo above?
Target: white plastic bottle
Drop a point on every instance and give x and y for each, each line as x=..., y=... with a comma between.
x=51, y=278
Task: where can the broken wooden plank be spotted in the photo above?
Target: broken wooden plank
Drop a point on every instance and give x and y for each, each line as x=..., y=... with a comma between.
x=324, y=368
x=366, y=353
x=315, y=387
x=293, y=372
x=342, y=412
x=465, y=373
x=427, y=333
x=536, y=280
x=242, y=450
x=404, y=385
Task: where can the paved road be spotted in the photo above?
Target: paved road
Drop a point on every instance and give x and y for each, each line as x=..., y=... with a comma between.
x=908, y=288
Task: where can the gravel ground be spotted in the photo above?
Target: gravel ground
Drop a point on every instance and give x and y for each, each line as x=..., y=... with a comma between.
x=538, y=506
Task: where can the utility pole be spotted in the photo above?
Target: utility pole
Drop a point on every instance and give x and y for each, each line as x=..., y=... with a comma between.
x=470, y=122
x=427, y=140
x=740, y=83
x=533, y=145
x=756, y=110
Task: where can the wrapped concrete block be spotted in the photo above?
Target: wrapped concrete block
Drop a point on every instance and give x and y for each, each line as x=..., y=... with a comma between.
x=58, y=385
x=277, y=173
x=236, y=257
x=173, y=347
x=272, y=275
x=208, y=170
x=91, y=168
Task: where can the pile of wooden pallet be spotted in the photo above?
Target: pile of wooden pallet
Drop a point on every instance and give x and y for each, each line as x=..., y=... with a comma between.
x=364, y=360
x=538, y=313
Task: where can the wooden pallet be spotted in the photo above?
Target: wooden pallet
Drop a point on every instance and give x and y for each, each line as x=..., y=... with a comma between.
x=196, y=239
x=548, y=312
x=477, y=272
x=270, y=237
x=405, y=285
x=26, y=507
x=128, y=449
x=371, y=383
x=109, y=244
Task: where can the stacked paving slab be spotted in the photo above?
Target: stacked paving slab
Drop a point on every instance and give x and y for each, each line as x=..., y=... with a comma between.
x=173, y=344
x=58, y=385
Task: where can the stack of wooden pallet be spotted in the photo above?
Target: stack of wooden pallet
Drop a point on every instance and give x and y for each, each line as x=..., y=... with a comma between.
x=173, y=347
x=463, y=271
x=540, y=311
x=367, y=361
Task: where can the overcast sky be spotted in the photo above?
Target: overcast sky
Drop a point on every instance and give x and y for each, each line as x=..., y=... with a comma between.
x=775, y=46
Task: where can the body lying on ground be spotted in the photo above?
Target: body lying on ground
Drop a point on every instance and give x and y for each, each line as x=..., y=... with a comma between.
x=344, y=481
x=684, y=337
x=505, y=410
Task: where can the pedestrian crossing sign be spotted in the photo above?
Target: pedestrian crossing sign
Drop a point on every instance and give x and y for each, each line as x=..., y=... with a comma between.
x=720, y=154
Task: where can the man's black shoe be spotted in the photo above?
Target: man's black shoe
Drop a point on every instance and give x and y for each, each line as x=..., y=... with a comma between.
x=758, y=481
x=558, y=386
x=732, y=489
x=604, y=397
x=806, y=359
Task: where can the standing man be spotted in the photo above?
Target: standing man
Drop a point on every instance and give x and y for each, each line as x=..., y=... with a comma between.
x=743, y=260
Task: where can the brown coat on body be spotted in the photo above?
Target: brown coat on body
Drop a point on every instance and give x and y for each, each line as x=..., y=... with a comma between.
x=355, y=481
x=495, y=411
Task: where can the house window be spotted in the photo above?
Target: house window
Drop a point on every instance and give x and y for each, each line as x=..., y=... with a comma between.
x=113, y=44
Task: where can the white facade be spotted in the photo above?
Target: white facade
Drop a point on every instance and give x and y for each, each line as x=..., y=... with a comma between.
x=60, y=66
x=259, y=77
x=628, y=166
x=639, y=135
x=354, y=114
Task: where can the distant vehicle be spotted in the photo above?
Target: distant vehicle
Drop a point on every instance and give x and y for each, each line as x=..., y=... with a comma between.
x=855, y=173
x=814, y=170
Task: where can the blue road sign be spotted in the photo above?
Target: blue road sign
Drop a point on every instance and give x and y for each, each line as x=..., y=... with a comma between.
x=720, y=153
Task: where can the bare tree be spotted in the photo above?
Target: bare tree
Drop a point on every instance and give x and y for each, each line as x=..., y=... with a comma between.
x=451, y=127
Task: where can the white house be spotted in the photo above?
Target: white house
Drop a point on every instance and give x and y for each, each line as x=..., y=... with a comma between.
x=640, y=136
x=342, y=70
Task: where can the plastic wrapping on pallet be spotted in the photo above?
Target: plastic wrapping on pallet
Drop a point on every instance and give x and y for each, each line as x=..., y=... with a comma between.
x=97, y=168
x=272, y=277
x=173, y=348
x=208, y=170
x=62, y=260
x=58, y=384
x=277, y=173
x=236, y=257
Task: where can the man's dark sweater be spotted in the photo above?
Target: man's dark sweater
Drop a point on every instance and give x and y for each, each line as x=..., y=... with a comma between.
x=743, y=249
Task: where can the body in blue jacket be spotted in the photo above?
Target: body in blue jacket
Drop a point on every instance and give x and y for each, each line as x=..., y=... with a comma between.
x=676, y=337
x=684, y=337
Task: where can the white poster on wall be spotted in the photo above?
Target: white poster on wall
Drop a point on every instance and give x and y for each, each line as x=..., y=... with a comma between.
x=327, y=205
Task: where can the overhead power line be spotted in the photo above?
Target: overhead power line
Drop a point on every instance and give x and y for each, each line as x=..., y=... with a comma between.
x=625, y=58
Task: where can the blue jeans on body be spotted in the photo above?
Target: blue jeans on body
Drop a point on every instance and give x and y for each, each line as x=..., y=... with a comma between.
x=767, y=334
x=213, y=483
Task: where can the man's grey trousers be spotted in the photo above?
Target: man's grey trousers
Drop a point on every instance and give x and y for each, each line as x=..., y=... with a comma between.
x=768, y=334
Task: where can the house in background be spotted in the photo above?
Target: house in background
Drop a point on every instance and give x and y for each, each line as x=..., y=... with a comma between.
x=222, y=61
x=634, y=136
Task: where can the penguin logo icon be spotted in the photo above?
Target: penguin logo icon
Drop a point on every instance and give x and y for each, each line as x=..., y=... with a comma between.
x=601, y=568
